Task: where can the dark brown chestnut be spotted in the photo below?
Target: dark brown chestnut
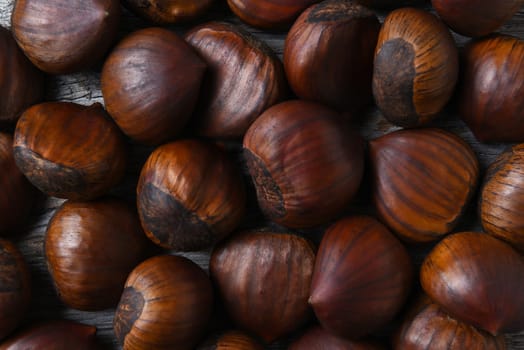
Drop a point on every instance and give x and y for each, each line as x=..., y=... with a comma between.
x=238, y=89
x=21, y=83
x=16, y=287
x=490, y=97
x=422, y=181
x=90, y=248
x=168, y=11
x=476, y=17
x=263, y=279
x=190, y=195
x=68, y=150
x=328, y=54
x=150, y=83
x=389, y=4
x=65, y=36
x=55, y=335
x=427, y=327
x=362, y=277
x=305, y=162
x=166, y=304
x=477, y=279
x=317, y=338
x=230, y=340
x=416, y=67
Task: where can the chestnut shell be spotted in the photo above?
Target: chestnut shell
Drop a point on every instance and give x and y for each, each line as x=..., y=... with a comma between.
x=168, y=11
x=317, y=338
x=389, y=4
x=230, y=340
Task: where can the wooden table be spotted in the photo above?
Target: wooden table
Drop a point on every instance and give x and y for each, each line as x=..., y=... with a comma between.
x=84, y=88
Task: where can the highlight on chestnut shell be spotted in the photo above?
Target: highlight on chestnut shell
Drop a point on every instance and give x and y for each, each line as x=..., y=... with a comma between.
x=229, y=340
x=168, y=12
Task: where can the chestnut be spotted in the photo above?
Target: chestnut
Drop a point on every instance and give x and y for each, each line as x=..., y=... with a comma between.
x=490, y=97
x=68, y=150
x=16, y=287
x=56, y=335
x=236, y=340
x=476, y=17
x=238, y=89
x=389, y=4
x=190, y=195
x=317, y=338
x=166, y=304
x=21, y=83
x=90, y=248
x=422, y=181
x=263, y=279
x=427, y=327
x=328, y=54
x=150, y=83
x=65, y=36
x=168, y=11
x=416, y=67
x=362, y=277
x=477, y=279
x=306, y=163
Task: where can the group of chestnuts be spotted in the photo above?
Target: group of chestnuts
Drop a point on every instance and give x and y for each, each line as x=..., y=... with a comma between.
x=238, y=136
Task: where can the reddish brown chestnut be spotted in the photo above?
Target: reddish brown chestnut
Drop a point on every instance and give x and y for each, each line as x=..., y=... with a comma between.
x=422, y=181
x=491, y=94
x=230, y=340
x=238, y=89
x=90, y=248
x=477, y=279
x=362, y=277
x=166, y=304
x=305, y=163
x=55, y=335
x=416, y=67
x=427, y=327
x=263, y=279
x=65, y=36
x=21, y=84
x=190, y=195
x=150, y=83
x=317, y=338
x=68, y=150
x=328, y=54
x=168, y=11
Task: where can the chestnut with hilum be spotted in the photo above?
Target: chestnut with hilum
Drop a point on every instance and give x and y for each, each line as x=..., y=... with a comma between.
x=168, y=12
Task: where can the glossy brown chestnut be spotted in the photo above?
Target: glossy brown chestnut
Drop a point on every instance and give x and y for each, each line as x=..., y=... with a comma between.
x=17, y=194
x=263, y=278
x=427, y=327
x=422, y=181
x=476, y=17
x=16, y=287
x=190, y=195
x=166, y=304
x=269, y=14
x=68, y=150
x=477, y=279
x=55, y=335
x=362, y=277
x=150, y=83
x=389, y=4
x=305, y=162
x=243, y=79
x=90, y=249
x=168, y=11
x=230, y=340
x=416, y=67
x=317, y=338
x=65, y=36
x=328, y=54
x=21, y=83
x=491, y=94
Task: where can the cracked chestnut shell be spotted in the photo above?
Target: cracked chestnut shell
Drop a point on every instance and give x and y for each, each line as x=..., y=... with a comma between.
x=65, y=36
x=491, y=93
x=476, y=278
x=317, y=338
x=237, y=90
x=422, y=181
x=362, y=277
x=168, y=11
x=166, y=304
x=263, y=279
x=150, y=83
x=68, y=150
x=90, y=249
x=229, y=340
x=190, y=195
x=415, y=69
x=328, y=54
x=306, y=163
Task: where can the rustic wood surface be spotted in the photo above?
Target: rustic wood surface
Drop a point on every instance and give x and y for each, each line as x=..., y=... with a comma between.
x=84, y=88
